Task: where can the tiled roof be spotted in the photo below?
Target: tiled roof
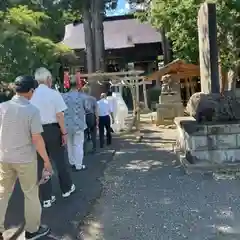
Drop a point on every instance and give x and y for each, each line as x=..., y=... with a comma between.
x=117, y=34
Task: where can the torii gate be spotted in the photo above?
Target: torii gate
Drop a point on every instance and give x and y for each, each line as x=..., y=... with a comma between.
x=129, y=79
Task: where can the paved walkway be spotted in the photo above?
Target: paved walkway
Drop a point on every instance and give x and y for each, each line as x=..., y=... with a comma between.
x=147, y=196
x=66, y=214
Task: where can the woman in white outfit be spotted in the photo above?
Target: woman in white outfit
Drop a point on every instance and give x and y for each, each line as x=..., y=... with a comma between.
x=75, y=124
x=113, y=106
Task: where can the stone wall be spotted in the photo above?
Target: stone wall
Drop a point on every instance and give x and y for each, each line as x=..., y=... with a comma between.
x=215, y=143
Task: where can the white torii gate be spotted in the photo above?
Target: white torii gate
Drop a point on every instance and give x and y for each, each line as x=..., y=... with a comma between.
x=130, y=79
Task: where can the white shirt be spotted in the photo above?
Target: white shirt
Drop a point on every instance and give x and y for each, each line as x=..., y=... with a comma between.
x=49, y=102
x=104, y=108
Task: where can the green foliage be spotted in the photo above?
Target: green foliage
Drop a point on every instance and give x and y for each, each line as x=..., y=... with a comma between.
x=153, y=95
x=30, y=31
x=179, y=18
x=22, y=48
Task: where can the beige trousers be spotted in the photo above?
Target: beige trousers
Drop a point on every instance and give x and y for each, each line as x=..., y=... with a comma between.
x=27, y=175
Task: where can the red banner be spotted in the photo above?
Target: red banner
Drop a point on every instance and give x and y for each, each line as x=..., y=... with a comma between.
x=79, y=81
x=66, y=80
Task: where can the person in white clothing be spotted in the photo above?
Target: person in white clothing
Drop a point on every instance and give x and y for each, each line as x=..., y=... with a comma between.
x=105, y=113
x=113, y=106
x=51, y=106
x=75, y=121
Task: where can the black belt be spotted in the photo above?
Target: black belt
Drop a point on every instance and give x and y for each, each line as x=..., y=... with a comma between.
x=50, y=124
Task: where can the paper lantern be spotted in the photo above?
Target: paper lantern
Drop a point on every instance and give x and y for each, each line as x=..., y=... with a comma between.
x=66, y=80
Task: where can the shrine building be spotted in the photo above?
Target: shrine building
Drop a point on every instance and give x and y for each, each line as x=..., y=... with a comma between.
x=127, y=41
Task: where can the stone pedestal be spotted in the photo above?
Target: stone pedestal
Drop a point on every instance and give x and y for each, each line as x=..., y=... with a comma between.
x=209, y=139
x=170, y=105
x=208, y=146
x=168, y=111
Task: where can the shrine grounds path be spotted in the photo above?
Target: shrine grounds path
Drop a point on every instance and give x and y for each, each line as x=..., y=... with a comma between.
x=147, y=196
x=141, y=193
x=65, y=216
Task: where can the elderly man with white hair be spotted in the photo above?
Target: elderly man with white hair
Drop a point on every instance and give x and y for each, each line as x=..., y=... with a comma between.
x=51, y=106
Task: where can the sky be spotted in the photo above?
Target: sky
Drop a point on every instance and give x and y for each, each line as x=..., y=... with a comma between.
x=123, y=8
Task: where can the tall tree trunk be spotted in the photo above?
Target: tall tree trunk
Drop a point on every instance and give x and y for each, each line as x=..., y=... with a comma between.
x=98, y=16
x=165, y=47
x=89, y=41
x=97, y=13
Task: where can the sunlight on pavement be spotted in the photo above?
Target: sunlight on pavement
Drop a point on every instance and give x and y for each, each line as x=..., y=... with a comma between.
x=143, y=166
x=94, y=230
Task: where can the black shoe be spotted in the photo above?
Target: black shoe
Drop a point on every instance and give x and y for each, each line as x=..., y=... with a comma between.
x=42, y=231
x=93, y=151
x=1, y=236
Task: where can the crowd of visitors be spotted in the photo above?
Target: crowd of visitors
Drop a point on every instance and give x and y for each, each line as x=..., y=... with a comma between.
x=37, y=126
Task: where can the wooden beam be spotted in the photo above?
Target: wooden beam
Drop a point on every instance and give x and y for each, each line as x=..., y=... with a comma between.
x=112, y=74
x=178, y=75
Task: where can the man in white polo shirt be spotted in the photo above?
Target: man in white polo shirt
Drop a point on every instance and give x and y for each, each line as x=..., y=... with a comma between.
x=51, y=106
x=105, y=113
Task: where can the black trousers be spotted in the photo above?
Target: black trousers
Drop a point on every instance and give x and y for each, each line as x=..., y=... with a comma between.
x=92, y=128
x=105, y=123
x=53, y=141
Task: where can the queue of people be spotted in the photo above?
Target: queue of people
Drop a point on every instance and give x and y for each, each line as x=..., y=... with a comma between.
x=37, y=126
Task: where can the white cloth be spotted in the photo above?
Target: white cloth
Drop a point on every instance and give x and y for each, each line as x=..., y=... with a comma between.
x=49, y=102
x=111, y=102
x=75, y=149
x=121, y=112
x=113, y=105
x=104, y=108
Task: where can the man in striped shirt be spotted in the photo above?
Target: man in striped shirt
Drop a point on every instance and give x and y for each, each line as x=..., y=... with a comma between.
x=20, y=137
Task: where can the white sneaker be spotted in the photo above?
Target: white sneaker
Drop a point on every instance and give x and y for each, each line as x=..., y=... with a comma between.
x=79, y=168
x=72, y=190
x=48, y=203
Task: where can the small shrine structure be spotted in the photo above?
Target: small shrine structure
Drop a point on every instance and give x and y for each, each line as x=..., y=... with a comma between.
x=170, y=102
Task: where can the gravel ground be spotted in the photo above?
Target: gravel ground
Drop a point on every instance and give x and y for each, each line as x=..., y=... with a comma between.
x=147, y=196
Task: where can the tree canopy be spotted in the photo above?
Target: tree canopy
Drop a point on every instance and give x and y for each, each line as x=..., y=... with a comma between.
x=179, y=18
x=30, y=36
x=31, y=32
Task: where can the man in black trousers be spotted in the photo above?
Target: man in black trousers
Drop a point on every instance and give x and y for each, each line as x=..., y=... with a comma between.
x=105, y=112
x=51, y=106
x=91, y=110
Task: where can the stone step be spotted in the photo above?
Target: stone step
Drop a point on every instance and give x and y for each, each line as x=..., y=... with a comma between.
x=208, y=167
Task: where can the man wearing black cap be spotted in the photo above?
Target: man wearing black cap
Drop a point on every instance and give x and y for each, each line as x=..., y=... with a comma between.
x=20, y=137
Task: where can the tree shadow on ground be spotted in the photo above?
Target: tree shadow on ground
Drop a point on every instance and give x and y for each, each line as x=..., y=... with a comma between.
x=64, y=216
x=147, y=195
x=146, y=189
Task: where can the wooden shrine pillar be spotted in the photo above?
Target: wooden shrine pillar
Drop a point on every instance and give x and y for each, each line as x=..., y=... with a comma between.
x=187, y=89
x=145, y=95
x=137, y=102
x=191, y=83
